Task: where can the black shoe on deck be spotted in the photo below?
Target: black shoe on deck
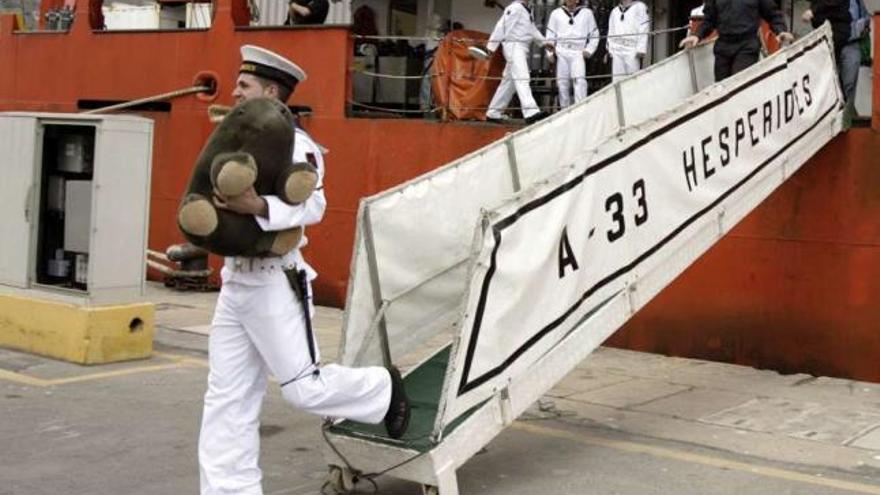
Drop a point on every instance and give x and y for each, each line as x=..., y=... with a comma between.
x=397, y=417
x=538, y=116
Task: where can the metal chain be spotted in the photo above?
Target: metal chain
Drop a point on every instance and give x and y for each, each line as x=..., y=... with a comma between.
x=160, y=97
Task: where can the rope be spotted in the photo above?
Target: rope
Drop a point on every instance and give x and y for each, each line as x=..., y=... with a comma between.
x=164, y=96
x=539, y=107
x=436, y=109
x=549, y=79
x=465, y=75
x=526, y=40
x=495, y=78
x=390, y=110
x=389, y=76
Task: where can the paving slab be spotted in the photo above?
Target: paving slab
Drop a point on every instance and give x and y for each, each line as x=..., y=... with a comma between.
x=768, y=445
x=807, y=420
x=870, y=440
x=582, y=380
x=629, y=393
x=694, y=403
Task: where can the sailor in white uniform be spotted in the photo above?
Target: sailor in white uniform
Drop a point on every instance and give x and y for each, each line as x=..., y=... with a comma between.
x=572, y=29
x=515, y=32
x=260, y=327
x=628, y=27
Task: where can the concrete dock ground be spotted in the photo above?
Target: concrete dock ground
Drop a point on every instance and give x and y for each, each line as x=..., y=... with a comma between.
x=621, y=423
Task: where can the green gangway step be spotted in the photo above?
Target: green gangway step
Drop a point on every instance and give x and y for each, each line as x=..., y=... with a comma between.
x=424, y=386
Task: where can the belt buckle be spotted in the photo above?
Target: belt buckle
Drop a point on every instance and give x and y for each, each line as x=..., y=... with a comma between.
x=237, y=264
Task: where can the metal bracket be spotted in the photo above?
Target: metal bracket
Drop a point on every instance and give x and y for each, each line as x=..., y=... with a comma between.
x=618, y=95
x=511, y=161
x=378, y=303
x=631, y=288
x=505, y=407
x=693, y=68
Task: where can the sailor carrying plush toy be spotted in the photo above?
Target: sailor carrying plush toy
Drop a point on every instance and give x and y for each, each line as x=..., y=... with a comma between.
x=249, y=201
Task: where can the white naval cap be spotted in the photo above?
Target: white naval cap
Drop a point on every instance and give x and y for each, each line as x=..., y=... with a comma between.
x=268, y=64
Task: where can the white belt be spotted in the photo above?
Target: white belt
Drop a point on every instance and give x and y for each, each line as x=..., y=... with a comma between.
x=259, y=265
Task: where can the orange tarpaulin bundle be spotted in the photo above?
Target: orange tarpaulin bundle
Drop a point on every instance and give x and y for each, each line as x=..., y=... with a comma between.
x=461, y=88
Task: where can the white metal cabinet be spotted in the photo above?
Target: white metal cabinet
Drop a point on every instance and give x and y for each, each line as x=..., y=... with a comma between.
x=119, y=175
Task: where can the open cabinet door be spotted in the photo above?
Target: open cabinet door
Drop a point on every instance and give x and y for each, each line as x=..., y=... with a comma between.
x=18, y=156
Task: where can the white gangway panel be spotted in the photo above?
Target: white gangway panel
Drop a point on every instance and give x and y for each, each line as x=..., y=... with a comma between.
x=530, y=252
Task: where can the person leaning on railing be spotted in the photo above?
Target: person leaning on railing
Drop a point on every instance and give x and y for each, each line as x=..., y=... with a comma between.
x=850, y=22
x=737, y=22
x=302, y=12
x=837, y=13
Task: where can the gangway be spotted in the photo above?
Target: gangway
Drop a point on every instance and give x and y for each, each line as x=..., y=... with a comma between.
x=512, y=264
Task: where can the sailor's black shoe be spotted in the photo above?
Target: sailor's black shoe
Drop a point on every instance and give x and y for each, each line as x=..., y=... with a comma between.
x=397, y=417
x=538, y=116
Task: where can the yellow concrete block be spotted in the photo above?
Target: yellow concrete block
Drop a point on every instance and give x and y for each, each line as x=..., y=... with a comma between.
x=80, y=334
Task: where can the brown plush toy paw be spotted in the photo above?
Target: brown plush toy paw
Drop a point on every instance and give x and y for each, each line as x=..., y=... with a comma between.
x=298, y=183
x=233, y=173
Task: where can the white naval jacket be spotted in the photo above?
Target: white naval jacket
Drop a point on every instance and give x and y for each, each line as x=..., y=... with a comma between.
x=634, y=21
x=284, y=216
x=515, y=27
x=573, y=32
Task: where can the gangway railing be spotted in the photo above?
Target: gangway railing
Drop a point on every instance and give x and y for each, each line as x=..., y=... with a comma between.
x=530, y=252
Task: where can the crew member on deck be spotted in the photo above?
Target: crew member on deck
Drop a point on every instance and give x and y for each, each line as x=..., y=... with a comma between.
x=628, y=26
x=572, y=29
x=515, y=32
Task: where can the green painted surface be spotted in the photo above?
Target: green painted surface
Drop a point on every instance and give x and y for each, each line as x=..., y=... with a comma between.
x=423, y=386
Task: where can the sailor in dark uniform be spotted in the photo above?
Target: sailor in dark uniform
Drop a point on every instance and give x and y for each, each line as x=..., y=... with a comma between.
x=737, y=22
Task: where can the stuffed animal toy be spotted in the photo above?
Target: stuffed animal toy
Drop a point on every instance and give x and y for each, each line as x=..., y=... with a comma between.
x=252, y=146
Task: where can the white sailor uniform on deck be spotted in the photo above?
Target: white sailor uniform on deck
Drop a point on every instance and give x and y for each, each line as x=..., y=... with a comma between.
x=572, y=33
x=624, y=50
x=515, y=31
x=258, y=328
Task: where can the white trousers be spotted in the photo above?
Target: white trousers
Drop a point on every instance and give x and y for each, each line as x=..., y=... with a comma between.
x=570, y=66
x=259, y=329
x=624, y=65
x=514, y=81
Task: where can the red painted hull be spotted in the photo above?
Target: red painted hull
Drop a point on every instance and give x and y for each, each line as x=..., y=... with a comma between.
x=794, y=287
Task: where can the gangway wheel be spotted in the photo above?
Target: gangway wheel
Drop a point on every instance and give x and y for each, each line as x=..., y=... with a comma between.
x=341, y=480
